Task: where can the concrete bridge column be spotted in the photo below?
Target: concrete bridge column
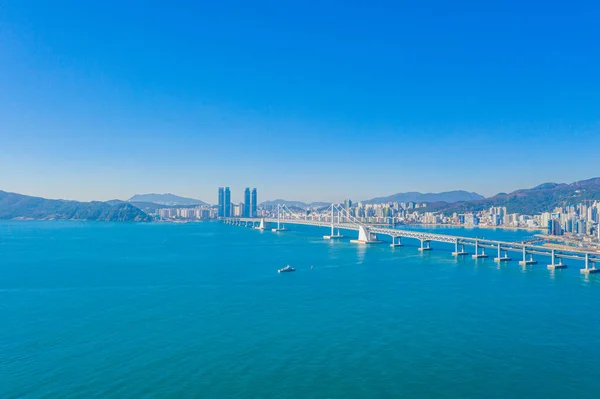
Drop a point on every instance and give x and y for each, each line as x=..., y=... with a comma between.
x=396, y=243
x=501, y=258
x=425, y=245
x=588, y=269
x=458, y=252
x=525, y=261
x=478, y=255
x=554, y=265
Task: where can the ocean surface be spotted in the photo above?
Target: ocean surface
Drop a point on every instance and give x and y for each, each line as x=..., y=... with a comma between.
x=109, y=310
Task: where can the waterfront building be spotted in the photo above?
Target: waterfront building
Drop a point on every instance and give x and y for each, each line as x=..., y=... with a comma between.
x=247, y=204
x=227, y=203
x=554, y=227
x=221, y=202
x=166, y=213
x=238, y=210
x=348, y=204
x=254, y=203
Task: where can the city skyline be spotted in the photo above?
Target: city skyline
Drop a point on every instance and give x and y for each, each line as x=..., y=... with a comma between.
x=98, y=104
x=575, y=224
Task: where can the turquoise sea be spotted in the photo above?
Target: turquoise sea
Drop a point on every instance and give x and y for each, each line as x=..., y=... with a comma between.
x=108, y=310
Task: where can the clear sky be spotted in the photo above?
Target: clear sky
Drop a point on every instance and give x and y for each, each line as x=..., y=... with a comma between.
x=307, y=100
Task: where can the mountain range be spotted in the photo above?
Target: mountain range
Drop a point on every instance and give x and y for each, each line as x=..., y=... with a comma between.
x=165, y=199
x=448, y=197
x=542, y=198
x=18, y=206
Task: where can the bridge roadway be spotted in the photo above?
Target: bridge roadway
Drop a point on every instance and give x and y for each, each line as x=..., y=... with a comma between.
x=589, y=258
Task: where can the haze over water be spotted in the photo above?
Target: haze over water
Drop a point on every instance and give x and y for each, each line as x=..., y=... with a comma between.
x=198, y=311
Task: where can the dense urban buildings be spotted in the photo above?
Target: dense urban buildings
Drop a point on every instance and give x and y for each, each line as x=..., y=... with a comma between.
x=576, y=222
x=224, y=208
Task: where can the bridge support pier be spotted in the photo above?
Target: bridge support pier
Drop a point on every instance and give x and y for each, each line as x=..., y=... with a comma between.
x=365, y=237
x=333, y=235
x=261, y=225
x=425, y=245
x=478, y=255
x=396, y=244
x=554, y=265
x=462, y=251
x=588, y=269
x=501, y=258
x=525, y=261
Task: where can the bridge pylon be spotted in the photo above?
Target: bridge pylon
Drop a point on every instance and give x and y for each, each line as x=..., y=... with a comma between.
x=280, y=227
x=333, y=234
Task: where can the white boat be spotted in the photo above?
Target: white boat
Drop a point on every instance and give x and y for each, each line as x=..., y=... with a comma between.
x=286, y=269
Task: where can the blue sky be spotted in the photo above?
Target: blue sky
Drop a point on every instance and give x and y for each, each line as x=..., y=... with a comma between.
x=304, y=100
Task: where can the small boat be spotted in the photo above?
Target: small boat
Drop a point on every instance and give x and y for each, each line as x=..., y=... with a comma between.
x=286, y=269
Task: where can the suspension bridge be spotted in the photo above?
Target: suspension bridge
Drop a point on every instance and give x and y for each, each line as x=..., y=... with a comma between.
x=340, y=219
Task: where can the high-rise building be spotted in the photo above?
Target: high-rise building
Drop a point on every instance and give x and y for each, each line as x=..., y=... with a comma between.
x=238, y=210
x=348, y=204
x=247, y=207
x=221, y=212
x=554, y=227
x=227, y=203
x=254, y=204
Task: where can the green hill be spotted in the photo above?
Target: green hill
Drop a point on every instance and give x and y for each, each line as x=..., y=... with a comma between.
x=542, y=198
x=17, y=206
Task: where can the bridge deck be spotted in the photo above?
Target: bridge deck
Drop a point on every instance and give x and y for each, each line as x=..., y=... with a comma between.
x=522, y=247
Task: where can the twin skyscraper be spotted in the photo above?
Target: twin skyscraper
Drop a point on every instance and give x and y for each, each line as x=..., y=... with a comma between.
x=250, y=203
x=245, y=209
